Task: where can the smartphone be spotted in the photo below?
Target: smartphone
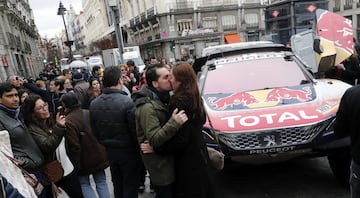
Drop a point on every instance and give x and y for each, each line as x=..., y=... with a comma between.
x=61, y=110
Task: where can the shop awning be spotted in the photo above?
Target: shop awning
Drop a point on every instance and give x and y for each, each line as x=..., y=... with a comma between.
x=232, y=38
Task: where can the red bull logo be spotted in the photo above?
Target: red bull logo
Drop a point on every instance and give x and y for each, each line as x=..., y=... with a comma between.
x=272, y=97
x=241, y=98
x=278, y=95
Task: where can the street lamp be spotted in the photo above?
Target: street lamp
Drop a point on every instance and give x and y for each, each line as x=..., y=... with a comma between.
x=116, y=9
x=61, y=11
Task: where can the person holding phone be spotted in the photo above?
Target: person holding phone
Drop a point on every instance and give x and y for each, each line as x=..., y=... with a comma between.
x=15, y=80
x=49, y=133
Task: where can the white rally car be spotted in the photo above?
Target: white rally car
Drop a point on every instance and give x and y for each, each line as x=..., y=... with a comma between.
x=264, y=105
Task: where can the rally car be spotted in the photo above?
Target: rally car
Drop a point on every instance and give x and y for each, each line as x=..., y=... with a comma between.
x=264, y=105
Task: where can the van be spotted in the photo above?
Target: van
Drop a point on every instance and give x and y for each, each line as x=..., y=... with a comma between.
x=134, y=56
x=112, y=57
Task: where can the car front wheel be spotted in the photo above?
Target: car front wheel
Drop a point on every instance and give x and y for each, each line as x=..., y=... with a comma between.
x=339, y=161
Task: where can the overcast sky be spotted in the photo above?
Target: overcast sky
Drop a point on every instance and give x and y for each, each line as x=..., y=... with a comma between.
x=45, y=13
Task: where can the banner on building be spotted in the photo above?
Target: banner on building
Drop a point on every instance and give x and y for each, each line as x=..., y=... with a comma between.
x=4, y=61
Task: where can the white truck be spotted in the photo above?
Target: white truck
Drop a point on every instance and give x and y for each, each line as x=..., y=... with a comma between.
x=95, y=61
x=111, y=57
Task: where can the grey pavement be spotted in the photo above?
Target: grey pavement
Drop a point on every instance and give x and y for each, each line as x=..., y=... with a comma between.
x=145, y=194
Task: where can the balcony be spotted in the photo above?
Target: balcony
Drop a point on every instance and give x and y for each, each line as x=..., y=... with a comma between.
x=347, y=6
x=132, y=22
x=194, y=5
x=251, y=3
x=150, y=12
x=229, y=27
x=11, y=40
x=336, y=9
x=137, y=20
x=142, y=16
x=3, y=4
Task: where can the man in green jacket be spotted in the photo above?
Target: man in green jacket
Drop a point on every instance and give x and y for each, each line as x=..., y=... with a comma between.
x=154, y=125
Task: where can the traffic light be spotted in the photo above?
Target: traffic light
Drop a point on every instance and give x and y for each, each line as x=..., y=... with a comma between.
x=172, y=45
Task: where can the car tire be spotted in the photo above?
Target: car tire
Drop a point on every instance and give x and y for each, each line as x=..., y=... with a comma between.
x=339, y=161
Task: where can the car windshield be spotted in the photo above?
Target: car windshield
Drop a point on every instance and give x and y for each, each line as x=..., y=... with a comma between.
x=246, y=75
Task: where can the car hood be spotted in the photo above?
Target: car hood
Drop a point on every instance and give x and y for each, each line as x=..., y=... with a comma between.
x=274, y=108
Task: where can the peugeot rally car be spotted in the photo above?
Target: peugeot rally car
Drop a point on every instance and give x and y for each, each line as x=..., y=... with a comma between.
x=264, y=105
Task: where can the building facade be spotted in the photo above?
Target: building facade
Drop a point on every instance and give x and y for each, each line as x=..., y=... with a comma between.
x=19, y=40
x=300, y=16
x=180, y=29
x=286, y=18
x=349, y=9
x=95, y=22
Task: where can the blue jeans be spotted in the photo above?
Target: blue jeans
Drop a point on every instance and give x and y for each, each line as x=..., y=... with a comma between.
x=355, y=180
x=100, y=182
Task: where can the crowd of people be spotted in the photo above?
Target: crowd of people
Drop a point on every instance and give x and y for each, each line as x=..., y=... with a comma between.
x=115, y=117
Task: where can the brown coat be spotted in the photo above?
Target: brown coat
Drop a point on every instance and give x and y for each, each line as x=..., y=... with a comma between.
x=85, y=152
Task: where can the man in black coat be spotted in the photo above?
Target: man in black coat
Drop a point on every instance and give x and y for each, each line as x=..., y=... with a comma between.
x=113, y=124
x=347, y=124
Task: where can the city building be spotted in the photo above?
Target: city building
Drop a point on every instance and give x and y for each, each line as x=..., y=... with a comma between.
x=179, y=30
x=349, y=9
x=300, y=15
x=95, y=21
x=288, y=17
x=19, y=40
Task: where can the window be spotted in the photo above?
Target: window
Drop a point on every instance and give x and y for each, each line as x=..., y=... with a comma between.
x=337, y=4
x=229, y=22
x=184, y=24
x=209, y=22
x=251, y=19
x=348, y=4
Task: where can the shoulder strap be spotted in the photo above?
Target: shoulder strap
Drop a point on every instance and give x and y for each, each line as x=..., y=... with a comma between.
x=85, y=115
x=214, y=132
x=17, y=163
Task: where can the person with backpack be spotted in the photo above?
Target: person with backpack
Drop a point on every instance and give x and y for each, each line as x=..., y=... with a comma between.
x=85, y=152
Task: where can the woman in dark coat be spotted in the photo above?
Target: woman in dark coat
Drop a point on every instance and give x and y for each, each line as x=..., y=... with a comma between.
x=187, y=146
x=85, y=152
x=48, y=135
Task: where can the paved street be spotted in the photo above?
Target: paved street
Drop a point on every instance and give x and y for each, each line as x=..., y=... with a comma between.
x=303, y=178
x=146, y=194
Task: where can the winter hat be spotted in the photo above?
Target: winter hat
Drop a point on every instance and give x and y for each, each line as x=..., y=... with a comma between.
x=77, y=76
x=70, y=100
